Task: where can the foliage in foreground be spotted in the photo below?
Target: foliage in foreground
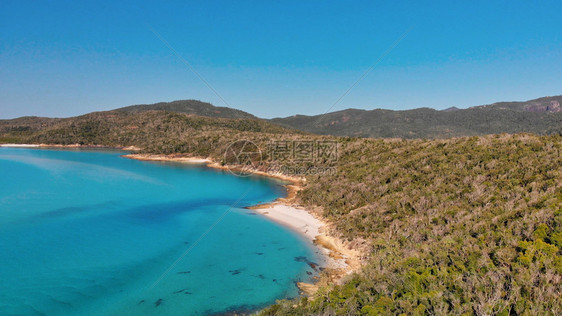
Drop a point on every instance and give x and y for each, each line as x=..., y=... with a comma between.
x=459, y=226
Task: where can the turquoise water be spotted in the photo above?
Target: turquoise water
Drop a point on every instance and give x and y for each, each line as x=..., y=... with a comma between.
x=92, y=233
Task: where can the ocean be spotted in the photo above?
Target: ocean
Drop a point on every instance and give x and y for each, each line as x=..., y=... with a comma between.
x=88, y=232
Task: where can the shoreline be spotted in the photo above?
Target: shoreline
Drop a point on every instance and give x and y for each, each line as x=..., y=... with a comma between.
x=339, y=259
x=130, y=148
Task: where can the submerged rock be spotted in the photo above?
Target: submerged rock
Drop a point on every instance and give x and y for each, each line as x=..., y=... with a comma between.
x=184, y=291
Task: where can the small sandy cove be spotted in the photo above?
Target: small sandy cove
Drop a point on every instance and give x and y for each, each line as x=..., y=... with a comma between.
x=339, y=258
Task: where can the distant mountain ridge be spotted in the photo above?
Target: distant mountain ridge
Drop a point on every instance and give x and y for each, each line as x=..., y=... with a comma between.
x=193, y=107
x=540, y=105
x=539, y=116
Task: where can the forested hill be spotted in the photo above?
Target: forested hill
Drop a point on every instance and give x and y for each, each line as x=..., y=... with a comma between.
x=540, y=116
x=462, y=226
x=154, y=131
x=194, y=107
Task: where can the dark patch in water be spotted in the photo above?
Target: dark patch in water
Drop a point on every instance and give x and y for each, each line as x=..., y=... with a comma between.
x=259, y=253
x=311, y=264
x=251, y=214
x=184, y=272
x=140, y=302
x=235, y=272
x=308, y=272
x=158, y=302
x=282, y=248
x=184, y=291
x=64, y=211
x=160, y=212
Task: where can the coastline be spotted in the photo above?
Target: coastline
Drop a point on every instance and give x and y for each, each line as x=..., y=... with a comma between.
x=340, y=259
x=131, y=148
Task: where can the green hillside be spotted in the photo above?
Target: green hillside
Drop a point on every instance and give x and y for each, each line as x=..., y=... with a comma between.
x=194, y=107
x=154, y=131
x=469, y=226
x=541, y=116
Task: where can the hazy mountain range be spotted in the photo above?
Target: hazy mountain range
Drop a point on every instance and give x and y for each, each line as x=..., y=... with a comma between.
x=539, y=116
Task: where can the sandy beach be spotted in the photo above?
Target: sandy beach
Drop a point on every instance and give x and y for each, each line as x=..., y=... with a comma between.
x=131, y=148
x=339, y=258
x=20, y=145
x=176, y=158
x=314, y=229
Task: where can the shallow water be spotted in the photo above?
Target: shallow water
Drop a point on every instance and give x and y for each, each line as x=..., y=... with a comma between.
x=92, y=233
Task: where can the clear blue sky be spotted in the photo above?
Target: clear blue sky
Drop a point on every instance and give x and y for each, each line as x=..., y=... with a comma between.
x=275, y=58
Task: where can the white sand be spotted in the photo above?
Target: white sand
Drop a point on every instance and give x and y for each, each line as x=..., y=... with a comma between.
x=18, y=145
x=303, y=223
x=147, y=157
x=292, y=217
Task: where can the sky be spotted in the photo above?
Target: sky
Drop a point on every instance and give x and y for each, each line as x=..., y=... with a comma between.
x=275, y=58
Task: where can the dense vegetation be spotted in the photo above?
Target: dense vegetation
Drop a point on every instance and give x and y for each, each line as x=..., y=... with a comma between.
x=194, y=107
x=469, y=225
x=460, y=226
x=154, y=131
x=541, y=116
